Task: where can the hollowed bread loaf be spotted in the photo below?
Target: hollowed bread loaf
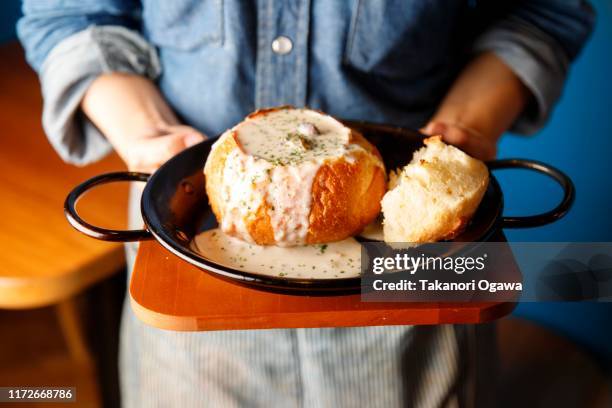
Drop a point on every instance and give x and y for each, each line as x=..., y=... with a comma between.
x=286, y=176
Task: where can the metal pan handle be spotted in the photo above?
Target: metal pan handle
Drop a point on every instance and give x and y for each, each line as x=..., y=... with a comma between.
x=556, y=213
x=97, y=232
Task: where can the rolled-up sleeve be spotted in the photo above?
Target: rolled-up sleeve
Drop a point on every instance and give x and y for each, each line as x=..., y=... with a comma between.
x=538, y=40
x=70, y=48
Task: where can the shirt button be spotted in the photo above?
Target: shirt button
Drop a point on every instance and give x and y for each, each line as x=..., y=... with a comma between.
x=282, y=45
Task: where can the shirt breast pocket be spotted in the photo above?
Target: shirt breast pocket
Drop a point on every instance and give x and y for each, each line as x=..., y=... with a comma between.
x=399, y=38
x=183, y=24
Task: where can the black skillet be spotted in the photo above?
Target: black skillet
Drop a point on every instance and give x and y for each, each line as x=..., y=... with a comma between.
x=175, y=208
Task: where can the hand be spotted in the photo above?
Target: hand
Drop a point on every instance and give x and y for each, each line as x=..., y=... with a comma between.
x=482, y=104
x=150, y=151
x=133, y=115
x=467, y=139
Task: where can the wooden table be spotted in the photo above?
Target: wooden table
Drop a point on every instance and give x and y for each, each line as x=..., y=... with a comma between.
x=168, y=293
x=44, y=260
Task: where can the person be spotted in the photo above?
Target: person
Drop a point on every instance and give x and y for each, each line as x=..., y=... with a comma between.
x=151, y=78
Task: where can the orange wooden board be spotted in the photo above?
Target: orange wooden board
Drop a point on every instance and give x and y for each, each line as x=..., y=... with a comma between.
x=168, y=293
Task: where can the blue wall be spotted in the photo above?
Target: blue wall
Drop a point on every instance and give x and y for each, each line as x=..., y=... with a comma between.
x=10, y=10
x=578, y=140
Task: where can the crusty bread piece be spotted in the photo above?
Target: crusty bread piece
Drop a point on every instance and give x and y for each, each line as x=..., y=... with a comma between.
x=434, y=196
x=345, y=192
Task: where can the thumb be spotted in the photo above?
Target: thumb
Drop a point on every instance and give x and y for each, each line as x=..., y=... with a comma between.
x=163, y=147
x=193, y=138
x=149, y=154
x=434, y=128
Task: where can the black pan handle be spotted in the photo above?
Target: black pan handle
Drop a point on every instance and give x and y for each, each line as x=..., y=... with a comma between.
x=97, y=232
x=556, y=213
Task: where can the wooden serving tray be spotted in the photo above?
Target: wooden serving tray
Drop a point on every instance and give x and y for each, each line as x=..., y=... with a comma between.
x=169, y=293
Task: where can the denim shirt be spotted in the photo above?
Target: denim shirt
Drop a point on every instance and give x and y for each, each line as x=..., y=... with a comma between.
x=217, y=60
x=385, y=61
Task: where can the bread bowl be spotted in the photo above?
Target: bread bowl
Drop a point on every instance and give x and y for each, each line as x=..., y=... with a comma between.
x=434, y=196
x=287, y=176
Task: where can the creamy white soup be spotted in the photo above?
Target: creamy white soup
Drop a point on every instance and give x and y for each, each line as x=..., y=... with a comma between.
x=327, y=261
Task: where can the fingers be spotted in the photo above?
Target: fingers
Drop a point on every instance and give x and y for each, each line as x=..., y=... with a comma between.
x=180, y=129
x=191, y=139
x=148, y=154
x=467, y=139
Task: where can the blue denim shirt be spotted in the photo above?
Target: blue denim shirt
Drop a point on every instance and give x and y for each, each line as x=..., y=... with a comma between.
x=386, y=61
